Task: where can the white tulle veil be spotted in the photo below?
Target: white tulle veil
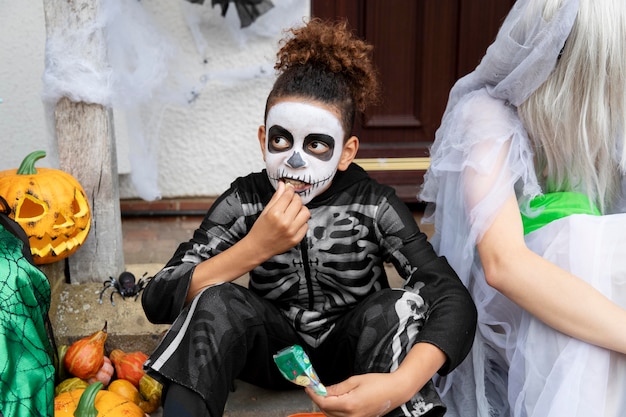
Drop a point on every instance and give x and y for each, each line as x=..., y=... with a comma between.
x=482, y=152
x=521, y=58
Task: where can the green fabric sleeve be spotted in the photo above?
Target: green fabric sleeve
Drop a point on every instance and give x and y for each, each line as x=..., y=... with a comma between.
x=553, y=206
x=26, y=369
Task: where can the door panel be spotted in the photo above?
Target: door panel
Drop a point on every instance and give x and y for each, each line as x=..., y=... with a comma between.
x=421, y=47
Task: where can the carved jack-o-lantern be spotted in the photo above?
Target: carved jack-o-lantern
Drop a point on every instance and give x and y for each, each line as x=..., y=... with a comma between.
x=50, y=205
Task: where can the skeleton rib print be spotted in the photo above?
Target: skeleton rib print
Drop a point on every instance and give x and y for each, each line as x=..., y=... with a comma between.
x=338, y=264
x=334, y=267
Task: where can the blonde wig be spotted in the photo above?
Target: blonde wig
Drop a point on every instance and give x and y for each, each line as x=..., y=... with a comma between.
x=576, y=119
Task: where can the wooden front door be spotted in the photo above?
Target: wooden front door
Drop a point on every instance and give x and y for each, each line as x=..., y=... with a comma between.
x=421, y=47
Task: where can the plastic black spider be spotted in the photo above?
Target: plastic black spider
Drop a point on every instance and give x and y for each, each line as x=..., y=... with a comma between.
x=125, y=286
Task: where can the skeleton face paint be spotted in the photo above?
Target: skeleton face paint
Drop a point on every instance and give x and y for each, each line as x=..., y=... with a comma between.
x=303, y=147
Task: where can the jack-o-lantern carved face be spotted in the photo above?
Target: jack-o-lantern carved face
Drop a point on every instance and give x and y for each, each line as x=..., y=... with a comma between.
x=50, y=205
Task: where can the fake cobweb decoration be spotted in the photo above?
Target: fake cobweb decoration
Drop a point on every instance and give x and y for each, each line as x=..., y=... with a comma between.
x=142, y=76
x=129, y=68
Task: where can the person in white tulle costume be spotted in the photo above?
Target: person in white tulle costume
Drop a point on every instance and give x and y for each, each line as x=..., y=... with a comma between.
x=526, y=191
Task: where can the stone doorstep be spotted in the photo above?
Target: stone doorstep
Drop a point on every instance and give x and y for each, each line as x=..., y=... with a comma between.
x=250, y=401
x=75, y=312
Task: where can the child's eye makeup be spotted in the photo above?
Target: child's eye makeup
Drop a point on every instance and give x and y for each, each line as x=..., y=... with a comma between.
x=319, y=145
x=279, y=143
x=279, y=139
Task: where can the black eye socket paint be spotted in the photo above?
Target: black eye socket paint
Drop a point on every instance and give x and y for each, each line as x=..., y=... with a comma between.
x=281, y=134
x=326, y=140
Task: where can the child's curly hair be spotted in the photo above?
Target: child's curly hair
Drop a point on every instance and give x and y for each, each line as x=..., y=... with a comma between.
x=324, y=61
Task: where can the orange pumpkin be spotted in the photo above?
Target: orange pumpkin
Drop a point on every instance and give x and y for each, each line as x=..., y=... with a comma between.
x=126, y=389
x=149, y=404
x=85, y=357
x=50, y=205
x=105, y=404
x=129, y=366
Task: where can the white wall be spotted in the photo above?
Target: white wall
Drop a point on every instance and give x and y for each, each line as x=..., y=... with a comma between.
x=22, y=42
x=202, y=146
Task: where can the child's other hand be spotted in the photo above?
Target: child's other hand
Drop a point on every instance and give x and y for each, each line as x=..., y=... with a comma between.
x=367, y=395
x=283, y=222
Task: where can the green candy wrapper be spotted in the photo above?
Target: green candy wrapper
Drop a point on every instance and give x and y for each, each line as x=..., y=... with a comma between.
x=294, y=364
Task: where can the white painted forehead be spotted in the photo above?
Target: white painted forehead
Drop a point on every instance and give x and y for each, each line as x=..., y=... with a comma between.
x=303, y=118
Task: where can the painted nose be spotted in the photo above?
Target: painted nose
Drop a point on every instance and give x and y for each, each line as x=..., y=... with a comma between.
x=296, y=161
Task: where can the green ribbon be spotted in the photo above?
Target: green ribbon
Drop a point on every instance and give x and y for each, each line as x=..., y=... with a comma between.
x=553, y=206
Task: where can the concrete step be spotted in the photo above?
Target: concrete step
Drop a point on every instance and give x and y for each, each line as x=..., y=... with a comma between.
x=250, y=401
x=75, y=312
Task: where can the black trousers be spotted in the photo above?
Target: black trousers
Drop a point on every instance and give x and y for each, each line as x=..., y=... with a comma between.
x=232, y=333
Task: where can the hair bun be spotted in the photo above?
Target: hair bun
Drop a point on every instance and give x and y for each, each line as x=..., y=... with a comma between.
x=335, y=48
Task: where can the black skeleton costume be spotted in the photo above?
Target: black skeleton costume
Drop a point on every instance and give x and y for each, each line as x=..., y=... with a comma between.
x=329, y=293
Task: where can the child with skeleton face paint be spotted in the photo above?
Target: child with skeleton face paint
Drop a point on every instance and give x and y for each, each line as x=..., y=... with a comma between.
x=303, y=145
x=310, y=112
x=313, y=231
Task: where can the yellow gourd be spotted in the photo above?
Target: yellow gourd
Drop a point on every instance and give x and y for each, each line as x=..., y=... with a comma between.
x=126, y=389
x=148, y=397
x=151, y=391
x=70, y=384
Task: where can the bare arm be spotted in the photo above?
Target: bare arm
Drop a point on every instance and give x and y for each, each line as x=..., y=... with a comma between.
x=281, y=225
x=558, y=298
